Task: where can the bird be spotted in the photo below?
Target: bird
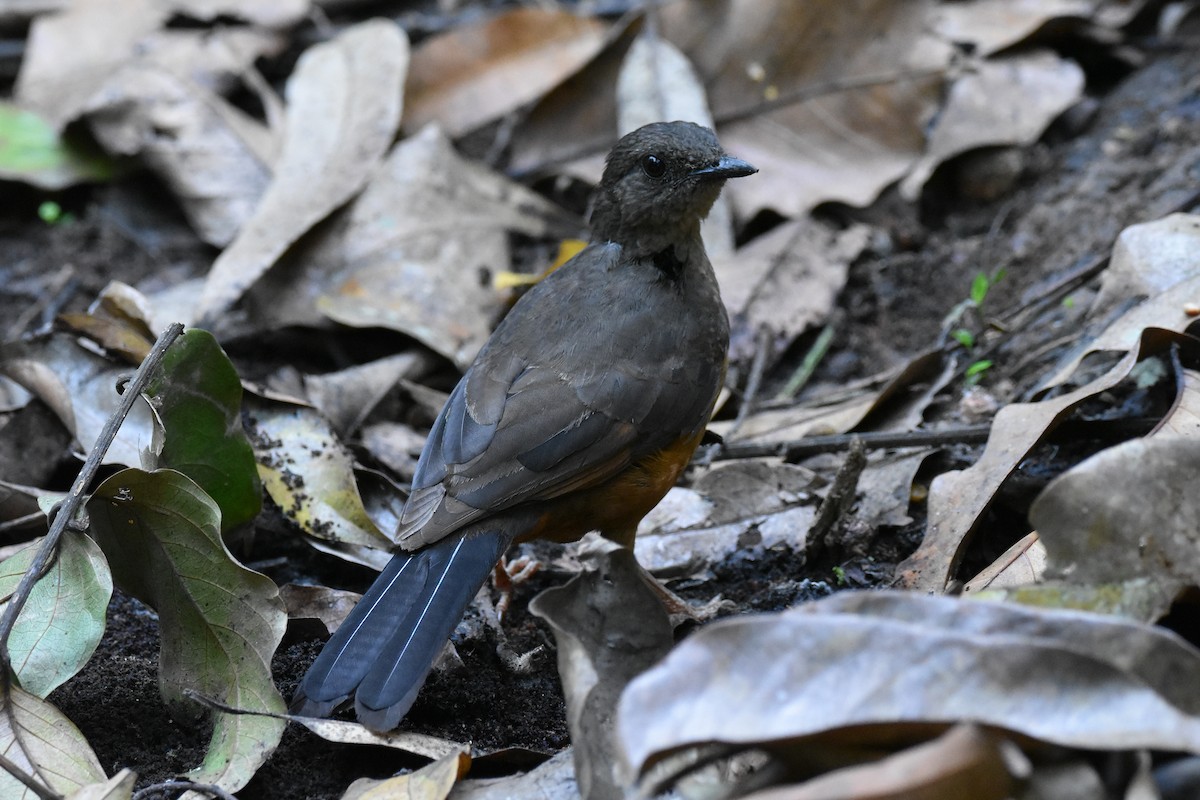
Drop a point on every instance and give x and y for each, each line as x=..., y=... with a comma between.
x=580, y=411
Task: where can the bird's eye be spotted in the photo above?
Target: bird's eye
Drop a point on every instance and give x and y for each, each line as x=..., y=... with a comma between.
x=653, y=166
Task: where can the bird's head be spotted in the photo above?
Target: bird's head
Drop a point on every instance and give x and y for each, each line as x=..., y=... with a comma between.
x=659, y=182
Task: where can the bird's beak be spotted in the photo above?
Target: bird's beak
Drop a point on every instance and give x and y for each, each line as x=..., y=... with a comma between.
x=726, y=167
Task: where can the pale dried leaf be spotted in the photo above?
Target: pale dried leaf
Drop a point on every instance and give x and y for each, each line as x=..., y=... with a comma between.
x=411, y=252
x=1022, y=564
x=210, y=154
x=475, y=73
x=333, y=730
x=993, y=25
x=1068, y=678
x=432, y=782
x=1149, y=259
x=1001, y=101
x=118, y=787
x=81, y=388
x=344, y=102
x=733, y=506
x=330, y=606
x=37, y=738
x=885, y=488
x=348, y=396
x=553, y=780
x=69, y=55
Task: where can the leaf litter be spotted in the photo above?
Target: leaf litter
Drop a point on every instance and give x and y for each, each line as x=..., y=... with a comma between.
x=319, y=245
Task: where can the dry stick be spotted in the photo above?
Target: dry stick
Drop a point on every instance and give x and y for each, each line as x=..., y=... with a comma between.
x=65, y=512
x=838, y=501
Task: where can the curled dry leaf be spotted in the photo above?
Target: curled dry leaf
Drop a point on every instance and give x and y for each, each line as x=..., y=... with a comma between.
x=1149, y=259
x=346, y=397
x=1002, y=101
x=553, y=780
x=212, y=156
x=610, y=626
x=63, y=620
x=330, y=606
x=1068, y=678
x=958, y=499
x=36, y=738
x=413, y=251
x=344, y=103
x=992, y=25
x=118, y=787
x=332, y=730
x=478, y=72
x=432, y=782
x=965, y=761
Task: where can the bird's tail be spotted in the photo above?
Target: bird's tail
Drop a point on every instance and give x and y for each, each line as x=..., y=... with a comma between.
x=384, y=649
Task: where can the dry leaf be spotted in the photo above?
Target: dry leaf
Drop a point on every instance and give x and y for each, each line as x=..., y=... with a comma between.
x=413, y=251
x=212, y=156
x=786, y=280
x=553, y=780
x=1149, y=259
x=432, y=782
x=965, y=761
x=330, y=606
x=348, y=396
x=1002, y=101
x=333, y=730
x=856, y=668
x=477, y=72
x=733, y=506
x=344, y=103
x=992, y=25
x=1022, y=564
x=609, y=626
x=958, y=499
x=36, y=738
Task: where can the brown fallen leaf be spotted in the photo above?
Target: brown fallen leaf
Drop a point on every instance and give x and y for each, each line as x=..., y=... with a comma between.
x=346, y=397
x=1020, y=565
x=475, y=73
x=344, y=102
x=958, y=499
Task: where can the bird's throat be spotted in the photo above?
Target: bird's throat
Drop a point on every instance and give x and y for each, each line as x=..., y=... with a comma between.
x=669, y=263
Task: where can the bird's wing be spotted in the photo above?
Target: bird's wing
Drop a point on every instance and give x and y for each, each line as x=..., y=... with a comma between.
x=531, y=421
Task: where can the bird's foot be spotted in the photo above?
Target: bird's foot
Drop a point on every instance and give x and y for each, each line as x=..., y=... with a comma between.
x=509, y=574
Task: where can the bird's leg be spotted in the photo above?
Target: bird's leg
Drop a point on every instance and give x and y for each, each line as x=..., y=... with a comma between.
x=509, y=574
x=678, y=609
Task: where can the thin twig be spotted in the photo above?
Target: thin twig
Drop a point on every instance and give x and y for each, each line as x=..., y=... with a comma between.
x=65, y=511
x=27, y=779
x=758, y=367
x=837, y=501
x=812, y=359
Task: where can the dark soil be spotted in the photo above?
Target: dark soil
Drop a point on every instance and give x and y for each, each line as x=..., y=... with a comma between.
x=1136, y=159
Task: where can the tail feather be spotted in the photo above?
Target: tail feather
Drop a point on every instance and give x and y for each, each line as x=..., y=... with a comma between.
x=385, y=648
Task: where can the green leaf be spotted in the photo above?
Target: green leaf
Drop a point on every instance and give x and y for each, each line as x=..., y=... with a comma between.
x=198, y=397
x=61, y=624
x=39, y=740
x=979, y=289
x=32, y=152
x=979, y=367
x=964, y=337
x=220, y=622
